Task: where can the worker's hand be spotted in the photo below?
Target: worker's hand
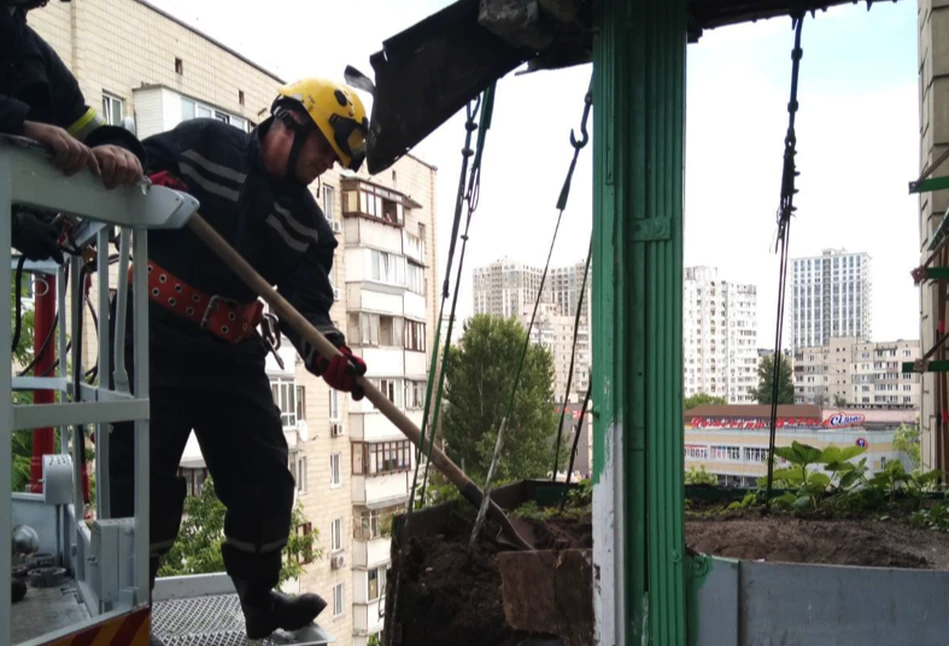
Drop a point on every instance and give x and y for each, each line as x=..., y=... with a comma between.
x=119, y=166
x=341, y=372
x=37, y=240
x=69, y=154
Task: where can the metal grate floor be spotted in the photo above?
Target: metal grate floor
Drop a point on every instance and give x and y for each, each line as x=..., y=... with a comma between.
x=217, y=620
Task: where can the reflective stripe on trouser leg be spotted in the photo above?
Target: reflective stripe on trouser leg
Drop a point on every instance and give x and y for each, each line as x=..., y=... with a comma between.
x=244, y=546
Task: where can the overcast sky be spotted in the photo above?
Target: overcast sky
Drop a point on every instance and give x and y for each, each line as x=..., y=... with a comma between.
x=857, y=129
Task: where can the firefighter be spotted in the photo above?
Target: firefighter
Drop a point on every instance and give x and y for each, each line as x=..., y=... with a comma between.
x=207, y=361
x=40, y=99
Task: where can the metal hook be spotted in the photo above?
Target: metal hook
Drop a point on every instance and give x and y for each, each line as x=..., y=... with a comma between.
x=585, y=136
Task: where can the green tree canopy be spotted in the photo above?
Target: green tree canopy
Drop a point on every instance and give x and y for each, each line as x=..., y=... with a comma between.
x=22, y=355
x=197, y=549
x=479, y=376
x=765, y=390
x=701, y=399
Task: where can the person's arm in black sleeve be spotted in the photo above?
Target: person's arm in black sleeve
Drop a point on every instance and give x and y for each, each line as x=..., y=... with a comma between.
x=12, y=115
x=309, y=291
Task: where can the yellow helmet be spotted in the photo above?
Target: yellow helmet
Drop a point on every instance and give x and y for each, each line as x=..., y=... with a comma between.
x=337, y=111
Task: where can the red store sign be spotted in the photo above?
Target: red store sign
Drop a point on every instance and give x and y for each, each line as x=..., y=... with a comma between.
x=753, y=423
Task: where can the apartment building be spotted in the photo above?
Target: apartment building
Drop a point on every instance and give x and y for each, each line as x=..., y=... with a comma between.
x=831, y=295
x=857, y=374
x=509, y=288
x=149, y=71
x=720, y=336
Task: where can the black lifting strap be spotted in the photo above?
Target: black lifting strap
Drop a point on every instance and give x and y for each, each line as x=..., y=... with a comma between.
x=785, y=211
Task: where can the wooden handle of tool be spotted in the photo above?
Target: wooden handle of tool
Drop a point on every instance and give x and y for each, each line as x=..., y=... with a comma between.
x=290, y=315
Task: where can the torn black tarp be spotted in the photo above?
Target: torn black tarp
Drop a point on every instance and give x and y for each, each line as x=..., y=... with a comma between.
x=427, y=73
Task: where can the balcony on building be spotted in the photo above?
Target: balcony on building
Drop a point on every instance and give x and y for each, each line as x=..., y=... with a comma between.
x=381, y=473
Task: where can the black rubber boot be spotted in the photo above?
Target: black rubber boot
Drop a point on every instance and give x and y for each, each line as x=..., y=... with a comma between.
x=265, y=612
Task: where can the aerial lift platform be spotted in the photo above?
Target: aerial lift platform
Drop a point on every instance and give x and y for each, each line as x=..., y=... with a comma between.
x=88, y=579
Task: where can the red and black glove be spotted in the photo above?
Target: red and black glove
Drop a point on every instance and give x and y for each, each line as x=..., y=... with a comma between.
x=341, y=371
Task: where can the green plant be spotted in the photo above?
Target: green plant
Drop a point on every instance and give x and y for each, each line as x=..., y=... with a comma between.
x=811, y=486
x=699, y=476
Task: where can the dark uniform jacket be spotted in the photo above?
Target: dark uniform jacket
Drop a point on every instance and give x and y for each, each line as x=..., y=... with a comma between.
x=275, y=225
x=35, y=85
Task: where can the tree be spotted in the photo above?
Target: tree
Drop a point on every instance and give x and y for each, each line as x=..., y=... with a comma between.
x=840, y=401
x=478, y=380
x=906, y=439
x=702, y=399
x=197, y=550
x=22, y=355
x=765, y=390
x=700, y=476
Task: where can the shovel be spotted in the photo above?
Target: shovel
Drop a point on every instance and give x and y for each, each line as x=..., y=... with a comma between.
x=509, y=534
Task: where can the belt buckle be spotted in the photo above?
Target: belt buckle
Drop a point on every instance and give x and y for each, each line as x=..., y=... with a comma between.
x=212, y=307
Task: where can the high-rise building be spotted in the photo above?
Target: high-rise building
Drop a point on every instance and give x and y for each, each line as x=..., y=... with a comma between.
x=352, y=467
x=831, y=295
x=509, y=288
x=849, y=372
x=720, y=336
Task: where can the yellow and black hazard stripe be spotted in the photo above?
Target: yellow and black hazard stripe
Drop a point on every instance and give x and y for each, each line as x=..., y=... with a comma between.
x=85, y=124
x=130, y=629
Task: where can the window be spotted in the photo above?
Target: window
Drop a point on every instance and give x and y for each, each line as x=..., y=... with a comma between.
x=179, y=66
x=377, y=583
x=240, y=97
x=336, y=535
x=334, y=405
x=415, y=395
x=381, y=457
x=414, y=336
x=335, y=477
x=375, y=329
x=329, y=202
x=301, y=403
x=305, y=556
x=298, y=466
x=387, y=268
x=338, y=599
x=390, y=388
x=374, y=524
x=285, y=396
x=415, y=278
x=191, y=109
x=194, y=479
x=112, y=109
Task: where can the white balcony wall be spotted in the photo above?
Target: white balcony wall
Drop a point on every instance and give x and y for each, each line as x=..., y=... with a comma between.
x=289, y=355
x=383, y=361
x=361, y=296
x=357, y=263
x=370, y=489
x=377, y=428
x=416, y=364
x=366, y=617
x=414, y=306
x=373, y=234
x=370, y=554
x=413, y=247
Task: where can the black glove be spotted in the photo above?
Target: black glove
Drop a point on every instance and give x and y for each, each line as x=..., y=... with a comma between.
x=35, y=239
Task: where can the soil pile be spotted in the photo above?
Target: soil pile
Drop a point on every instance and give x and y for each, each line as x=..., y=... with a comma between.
x=451, y=595
x=866, y=542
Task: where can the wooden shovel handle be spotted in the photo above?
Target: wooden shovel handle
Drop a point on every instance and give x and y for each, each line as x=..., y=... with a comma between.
x=290, y=315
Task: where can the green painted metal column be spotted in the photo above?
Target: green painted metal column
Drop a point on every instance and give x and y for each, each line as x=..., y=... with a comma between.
x=639, y=117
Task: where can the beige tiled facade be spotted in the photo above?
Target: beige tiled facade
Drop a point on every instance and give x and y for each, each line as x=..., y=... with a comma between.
x=164, y=72
x=847, y=372
x=933, y=46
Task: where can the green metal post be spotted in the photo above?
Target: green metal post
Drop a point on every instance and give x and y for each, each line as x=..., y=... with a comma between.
x=639, y=117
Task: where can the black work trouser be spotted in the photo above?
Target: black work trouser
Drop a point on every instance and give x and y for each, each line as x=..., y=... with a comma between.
x=229, y=405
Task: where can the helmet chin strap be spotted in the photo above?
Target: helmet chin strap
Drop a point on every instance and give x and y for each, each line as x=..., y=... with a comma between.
x=300, y=132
